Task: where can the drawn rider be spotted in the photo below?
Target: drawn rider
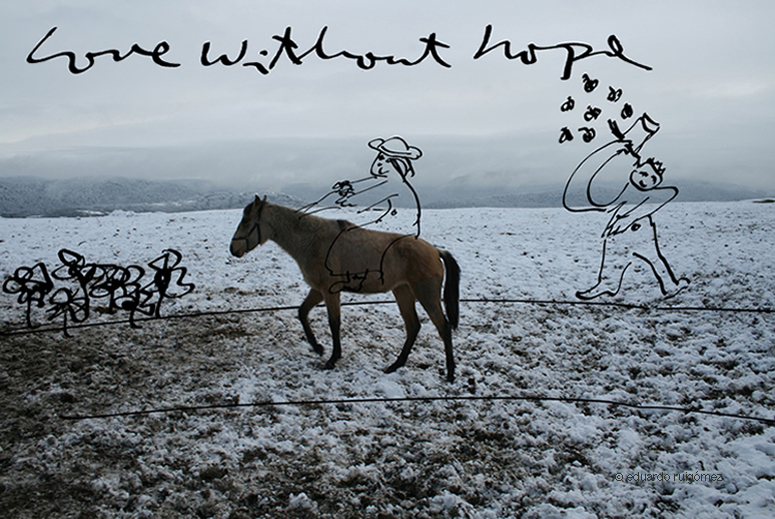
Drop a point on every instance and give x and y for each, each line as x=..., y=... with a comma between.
x=378, y=198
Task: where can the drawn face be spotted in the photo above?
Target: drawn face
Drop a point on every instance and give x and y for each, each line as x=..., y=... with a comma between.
x=646, y=178
x=381, y=167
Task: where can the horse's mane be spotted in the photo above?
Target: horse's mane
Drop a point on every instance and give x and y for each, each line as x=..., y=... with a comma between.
x=297, y=222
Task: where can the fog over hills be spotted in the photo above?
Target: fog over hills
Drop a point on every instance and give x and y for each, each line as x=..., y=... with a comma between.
x=37, y=196
x=550, y=195
x=24, y=197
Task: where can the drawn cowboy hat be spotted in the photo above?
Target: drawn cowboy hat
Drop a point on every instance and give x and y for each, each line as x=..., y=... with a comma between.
x=396, y=147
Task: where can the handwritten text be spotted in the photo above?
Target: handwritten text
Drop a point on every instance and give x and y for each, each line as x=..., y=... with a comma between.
x=285, y=48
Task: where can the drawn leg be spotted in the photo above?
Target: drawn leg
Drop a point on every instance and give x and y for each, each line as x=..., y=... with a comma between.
x=312, y=300
x=334, y=321
x=405, y=299
x=609, y=277
x=669, y=285
x=429, y=295
x=351, y=282
x=352, y=279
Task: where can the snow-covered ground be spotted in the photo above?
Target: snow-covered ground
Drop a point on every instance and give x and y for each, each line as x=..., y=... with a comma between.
x=460, y=458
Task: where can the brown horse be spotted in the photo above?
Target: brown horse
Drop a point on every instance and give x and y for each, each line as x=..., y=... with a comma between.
x=408, y=266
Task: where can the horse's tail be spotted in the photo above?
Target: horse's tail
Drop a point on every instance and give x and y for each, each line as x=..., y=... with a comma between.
x=451, y=288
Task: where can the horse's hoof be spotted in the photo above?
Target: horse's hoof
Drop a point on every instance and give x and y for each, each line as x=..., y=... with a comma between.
x=392, y=368
x=329, y=365
x=317, y=348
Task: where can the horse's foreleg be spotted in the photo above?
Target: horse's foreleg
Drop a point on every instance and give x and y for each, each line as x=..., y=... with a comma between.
x=430, y=299
x=405, y=299
x=313, y=299
x=334, y=321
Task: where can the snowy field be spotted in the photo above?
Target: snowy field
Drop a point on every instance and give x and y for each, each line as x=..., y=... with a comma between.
x=457, y=458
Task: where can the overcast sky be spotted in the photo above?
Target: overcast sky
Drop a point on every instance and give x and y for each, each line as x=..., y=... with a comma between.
x=488, y=120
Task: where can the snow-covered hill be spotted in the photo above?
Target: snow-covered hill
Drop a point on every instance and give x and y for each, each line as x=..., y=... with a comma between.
x=36, y=196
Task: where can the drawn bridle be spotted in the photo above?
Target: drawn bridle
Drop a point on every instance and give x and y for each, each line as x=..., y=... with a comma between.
x=256, y=227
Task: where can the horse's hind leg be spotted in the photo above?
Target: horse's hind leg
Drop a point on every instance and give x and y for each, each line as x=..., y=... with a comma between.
x=405, y=299
x=429, y=296
x=313, y=299
x=335, y=321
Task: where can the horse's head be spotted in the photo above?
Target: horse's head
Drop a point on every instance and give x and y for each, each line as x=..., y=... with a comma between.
x=248, y=234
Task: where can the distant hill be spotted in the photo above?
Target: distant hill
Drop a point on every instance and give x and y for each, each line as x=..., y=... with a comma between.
x=33, y=196
x=551, y=195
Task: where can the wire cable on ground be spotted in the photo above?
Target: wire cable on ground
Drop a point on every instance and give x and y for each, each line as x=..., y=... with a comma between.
x=371, y=400
x=215, y=313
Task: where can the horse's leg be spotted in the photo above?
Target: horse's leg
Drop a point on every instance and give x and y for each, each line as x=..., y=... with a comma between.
x=334, y=321
x=429, y=295
x=405, y=299
x=313, y=299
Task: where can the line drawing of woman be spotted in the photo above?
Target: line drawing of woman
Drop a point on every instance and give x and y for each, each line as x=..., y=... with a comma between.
x=630, y=233
x=375, y=199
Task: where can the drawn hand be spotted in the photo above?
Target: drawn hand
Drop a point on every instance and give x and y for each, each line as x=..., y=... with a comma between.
x=620, y=224
x=344, y=188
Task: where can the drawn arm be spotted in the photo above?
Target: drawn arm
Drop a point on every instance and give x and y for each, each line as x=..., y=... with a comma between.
x=344, y=190
x=654, y=200
x=376, y=205
x=579, y=185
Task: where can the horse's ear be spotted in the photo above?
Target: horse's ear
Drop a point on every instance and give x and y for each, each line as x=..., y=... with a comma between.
x=260, y=203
